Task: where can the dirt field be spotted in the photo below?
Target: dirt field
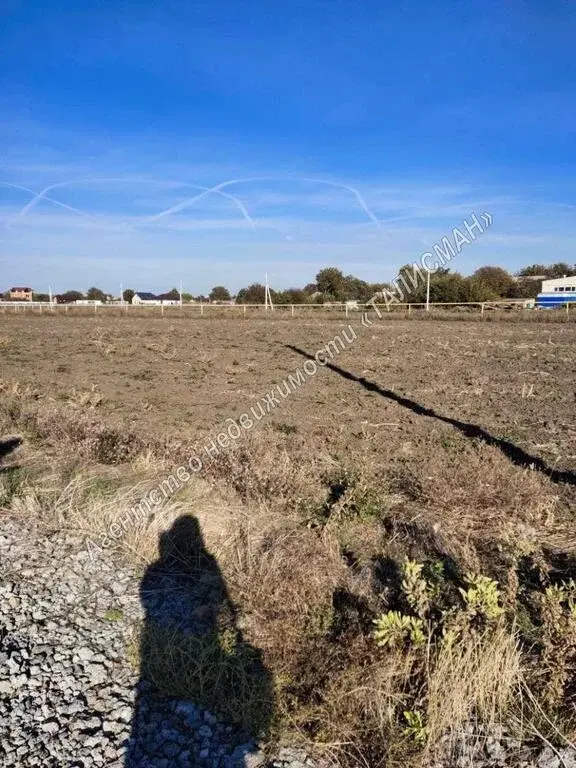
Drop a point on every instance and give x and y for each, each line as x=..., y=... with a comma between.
x=184, y=378
x=423, y=481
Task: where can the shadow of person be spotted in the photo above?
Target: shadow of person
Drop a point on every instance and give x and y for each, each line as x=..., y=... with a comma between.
x=8, y=446
x=204, y=693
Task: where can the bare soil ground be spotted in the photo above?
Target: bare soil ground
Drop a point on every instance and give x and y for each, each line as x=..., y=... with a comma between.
x=423, y=482
x=184, y=378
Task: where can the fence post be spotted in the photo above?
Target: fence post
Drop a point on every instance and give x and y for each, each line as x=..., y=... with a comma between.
x=482, y=308
x=292, y=310
x=201, y=308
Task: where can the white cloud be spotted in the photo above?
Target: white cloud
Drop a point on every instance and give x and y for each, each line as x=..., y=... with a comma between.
x=289, y=224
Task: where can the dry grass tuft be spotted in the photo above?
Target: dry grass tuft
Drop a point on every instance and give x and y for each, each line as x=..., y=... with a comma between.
x=284, y=581
x=260, y=468
x=476, y=682
x=311, y=552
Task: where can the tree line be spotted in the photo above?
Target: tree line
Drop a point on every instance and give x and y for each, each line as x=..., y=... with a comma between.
x=485, y=284
x=331, y=285
x=218, y=293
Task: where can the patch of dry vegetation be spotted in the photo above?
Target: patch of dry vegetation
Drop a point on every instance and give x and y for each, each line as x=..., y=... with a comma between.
x=393, y=606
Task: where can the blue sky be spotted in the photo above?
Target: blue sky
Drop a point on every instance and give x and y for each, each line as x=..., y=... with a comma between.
x=346, y=133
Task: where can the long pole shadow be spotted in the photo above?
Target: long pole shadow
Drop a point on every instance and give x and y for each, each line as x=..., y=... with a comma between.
x=517, y=455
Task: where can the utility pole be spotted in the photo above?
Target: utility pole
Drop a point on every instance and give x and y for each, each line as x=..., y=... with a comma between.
x=267, y=296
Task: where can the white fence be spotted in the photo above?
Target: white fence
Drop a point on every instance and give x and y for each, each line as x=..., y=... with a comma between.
x=198, y=308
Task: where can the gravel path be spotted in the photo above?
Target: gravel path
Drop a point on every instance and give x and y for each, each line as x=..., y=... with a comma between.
x=69, y=695
x=68, y=692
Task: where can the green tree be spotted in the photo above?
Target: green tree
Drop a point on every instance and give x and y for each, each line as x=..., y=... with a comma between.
x=128, y=295
x=70, y=296
x=450, y=287
x=497, y=280
x=533, y=269
x=445, y=286
x=377, y=288
x=291, y=296
x=549, y=270
x=480, y=291
x=173, y=294
x=560, y=269
x=254, y=294
x=295, y=296
x=527, y=289
x=95, y=294
x=187, y=297
x=414, y=285
x=331, y=283
x=310, y=288
x=219, y=293
x=357, y=289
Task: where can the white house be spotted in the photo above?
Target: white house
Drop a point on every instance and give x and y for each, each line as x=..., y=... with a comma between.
x=144, y=297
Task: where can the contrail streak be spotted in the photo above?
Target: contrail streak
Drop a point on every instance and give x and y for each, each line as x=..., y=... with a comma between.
x=205, y=191
x=42, y=195
x=218, y=187
x=51, y=200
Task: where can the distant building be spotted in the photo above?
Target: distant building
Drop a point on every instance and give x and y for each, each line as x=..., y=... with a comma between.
x=20, y=294
x=166, y=298
x=557, y=292
x=524, y=278
x=144, y=297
